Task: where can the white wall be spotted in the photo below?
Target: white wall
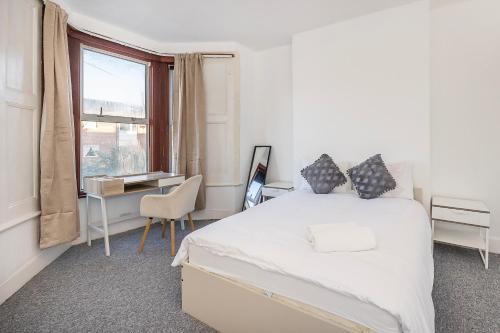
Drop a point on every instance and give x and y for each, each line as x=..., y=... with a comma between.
x=20, y=109
x=465, y=53
x=274, y=104
x=21, y=257
x=361, y=87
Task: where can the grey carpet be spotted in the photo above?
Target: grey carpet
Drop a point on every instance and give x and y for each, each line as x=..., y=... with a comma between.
x=466, y=296
x=84, y=291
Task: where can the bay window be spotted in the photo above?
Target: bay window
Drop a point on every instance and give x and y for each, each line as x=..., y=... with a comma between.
x=120, y=107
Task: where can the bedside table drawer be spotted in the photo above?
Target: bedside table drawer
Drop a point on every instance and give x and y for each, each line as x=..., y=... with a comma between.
x=273, y=192
x=461, y=216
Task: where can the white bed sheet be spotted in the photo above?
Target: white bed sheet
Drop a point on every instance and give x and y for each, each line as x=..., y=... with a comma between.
x=396, y=277
x=296, y=289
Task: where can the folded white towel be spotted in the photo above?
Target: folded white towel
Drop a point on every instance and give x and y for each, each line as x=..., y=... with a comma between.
x=341, y=237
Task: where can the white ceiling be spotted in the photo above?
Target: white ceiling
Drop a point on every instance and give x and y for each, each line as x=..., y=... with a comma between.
x=258, y=24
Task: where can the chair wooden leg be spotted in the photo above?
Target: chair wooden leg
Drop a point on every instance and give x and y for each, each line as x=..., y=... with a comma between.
x=172, y=237
x=145, y=235
x=163, y=225
x=191, y=224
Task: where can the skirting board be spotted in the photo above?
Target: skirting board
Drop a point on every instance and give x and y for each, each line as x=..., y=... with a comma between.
x=495, y=245
x=29, y=270
x=231, y=306
x=116, y=226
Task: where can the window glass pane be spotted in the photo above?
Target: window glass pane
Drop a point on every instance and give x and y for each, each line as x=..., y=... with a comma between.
x=112, y=149
x=114, y=85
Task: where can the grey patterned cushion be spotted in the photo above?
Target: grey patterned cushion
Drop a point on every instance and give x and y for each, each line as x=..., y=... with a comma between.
x=323, y=175
x=371, y=178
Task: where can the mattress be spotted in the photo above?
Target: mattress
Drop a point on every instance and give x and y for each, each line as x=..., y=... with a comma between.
x=387, y=289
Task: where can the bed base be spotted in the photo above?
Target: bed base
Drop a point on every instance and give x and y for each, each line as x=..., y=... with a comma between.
x=231, y=306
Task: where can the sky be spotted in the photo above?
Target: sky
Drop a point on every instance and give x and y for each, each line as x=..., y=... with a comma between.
x=113, y=79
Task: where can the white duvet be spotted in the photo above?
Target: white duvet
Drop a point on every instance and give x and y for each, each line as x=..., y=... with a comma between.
x=396, y=276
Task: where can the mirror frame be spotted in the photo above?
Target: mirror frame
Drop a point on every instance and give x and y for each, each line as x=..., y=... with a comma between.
x=250, y=171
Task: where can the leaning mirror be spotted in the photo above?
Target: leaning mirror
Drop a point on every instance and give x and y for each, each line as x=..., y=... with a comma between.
x=256, y=176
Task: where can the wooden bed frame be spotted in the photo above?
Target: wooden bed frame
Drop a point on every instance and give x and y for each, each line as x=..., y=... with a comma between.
x=232, y=306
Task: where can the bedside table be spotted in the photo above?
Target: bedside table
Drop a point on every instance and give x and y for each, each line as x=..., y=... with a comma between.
x=461, y=213
x=273, y=190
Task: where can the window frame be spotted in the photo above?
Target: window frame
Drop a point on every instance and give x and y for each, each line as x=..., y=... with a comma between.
x=114, y=119
x=107, y=118
x=157, y=101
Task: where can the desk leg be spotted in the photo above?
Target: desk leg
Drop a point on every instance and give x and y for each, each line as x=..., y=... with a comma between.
x=87, y=213
x=105, y=226
x=183, y=227
x=487, y=250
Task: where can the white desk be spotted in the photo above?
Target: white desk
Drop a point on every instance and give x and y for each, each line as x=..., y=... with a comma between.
x=131, y=184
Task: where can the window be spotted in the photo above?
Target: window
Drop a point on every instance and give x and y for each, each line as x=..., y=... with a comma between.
x=113, y=86
x=120, y=107
x=112, y=149
x=114, y=115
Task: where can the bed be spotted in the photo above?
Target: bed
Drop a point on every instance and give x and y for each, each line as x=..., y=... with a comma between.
x=256, y=271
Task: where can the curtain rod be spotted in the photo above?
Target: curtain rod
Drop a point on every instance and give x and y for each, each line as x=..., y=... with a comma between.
x=205, y=54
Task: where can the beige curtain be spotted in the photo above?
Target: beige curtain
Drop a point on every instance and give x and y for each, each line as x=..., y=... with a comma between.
x=188, y=117
x=59, y=222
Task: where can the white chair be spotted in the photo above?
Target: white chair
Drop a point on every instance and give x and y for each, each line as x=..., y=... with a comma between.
x=171, y=207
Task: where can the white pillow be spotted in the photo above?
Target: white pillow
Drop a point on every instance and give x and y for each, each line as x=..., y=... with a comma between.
x=347, y=187
x=343, y=166
x=402, y=173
